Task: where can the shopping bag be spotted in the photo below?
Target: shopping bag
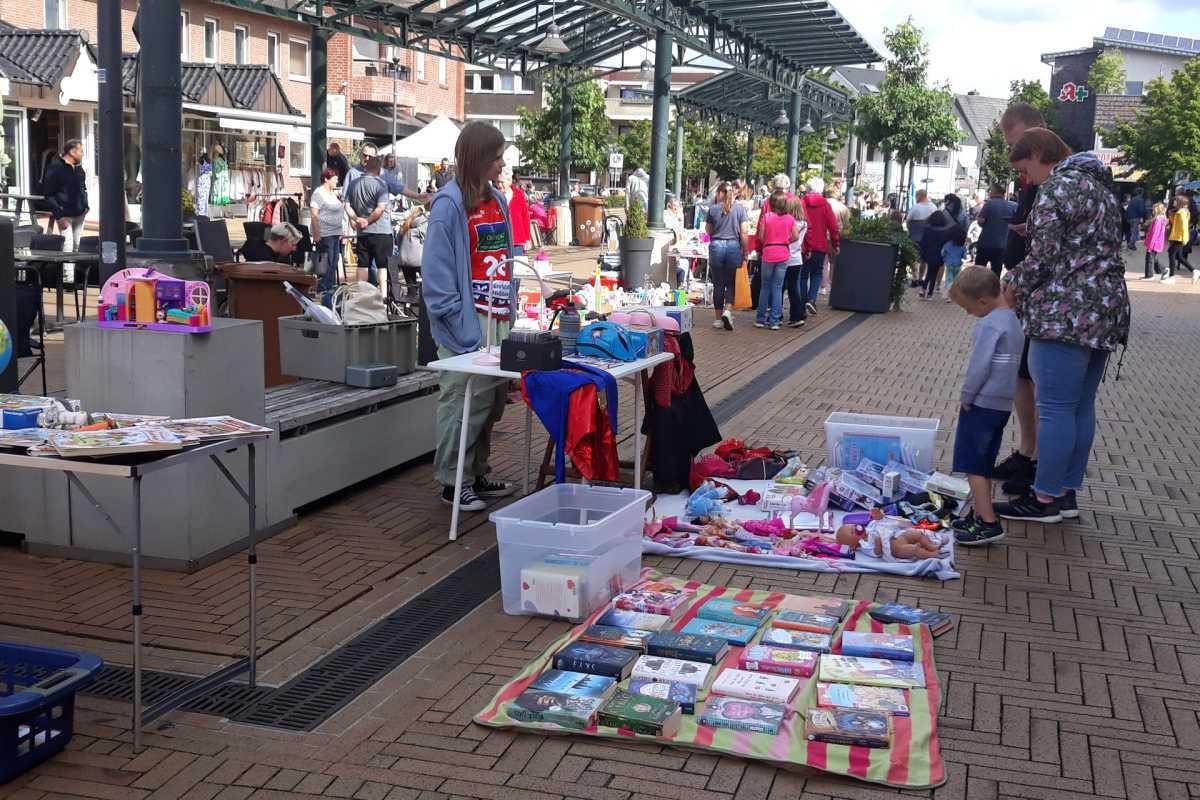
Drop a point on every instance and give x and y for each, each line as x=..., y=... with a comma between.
x=741, y=289
x=359, y=304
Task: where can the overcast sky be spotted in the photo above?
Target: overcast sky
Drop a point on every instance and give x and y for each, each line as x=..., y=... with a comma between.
x=983, y=45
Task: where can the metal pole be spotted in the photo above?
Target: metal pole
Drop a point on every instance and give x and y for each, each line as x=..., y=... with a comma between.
x=750, y=158
x=679, y=155
x=110, y=147
x=659, y=128
x=252, y=561
x=564, y=139
x=793, y=138
x=395, y=97
x=318, y=92
x=137, y=609
x=160, y=78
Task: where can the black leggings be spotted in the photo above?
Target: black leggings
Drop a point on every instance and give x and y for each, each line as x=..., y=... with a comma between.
x=791, y=282
x=1177, y=254
x=933, y=275
x=1152, y=265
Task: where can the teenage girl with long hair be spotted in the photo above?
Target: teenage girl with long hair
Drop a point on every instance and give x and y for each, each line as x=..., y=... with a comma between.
x=726, y=228
x=465, y=286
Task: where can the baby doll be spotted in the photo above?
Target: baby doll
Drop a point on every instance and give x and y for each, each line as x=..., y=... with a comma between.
x=891, y=539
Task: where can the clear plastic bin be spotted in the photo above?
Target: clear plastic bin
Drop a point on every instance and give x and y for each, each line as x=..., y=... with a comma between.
x=849, y=438
x=566, y=550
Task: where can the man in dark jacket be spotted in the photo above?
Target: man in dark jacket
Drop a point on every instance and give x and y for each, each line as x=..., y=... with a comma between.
x=336, y=161
x=65, y=189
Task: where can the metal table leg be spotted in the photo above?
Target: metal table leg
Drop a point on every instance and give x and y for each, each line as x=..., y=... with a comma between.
x=528, y=448
x=137, y=613
x=252, y=562
x=462, y=456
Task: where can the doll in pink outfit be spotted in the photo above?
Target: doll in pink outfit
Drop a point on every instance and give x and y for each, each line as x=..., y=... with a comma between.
x=1156, y=240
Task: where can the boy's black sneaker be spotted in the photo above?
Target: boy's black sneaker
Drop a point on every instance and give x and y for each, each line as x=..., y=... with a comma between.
x=1068, y=505
x=978, y=532
x=485, y=487
x=1028, y=508
x=963, y=523
x=1015, y=466
x=467, y=499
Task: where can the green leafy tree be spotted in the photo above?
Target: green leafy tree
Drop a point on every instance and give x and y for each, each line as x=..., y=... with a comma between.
x=1164, y=137
x=590, y=136
x=1107, y=75
x=634, y=144
x=908, y=117
x=995, y=167
x=770, y=156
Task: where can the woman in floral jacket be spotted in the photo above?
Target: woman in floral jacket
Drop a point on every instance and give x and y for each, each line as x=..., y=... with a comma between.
x=1070, y=295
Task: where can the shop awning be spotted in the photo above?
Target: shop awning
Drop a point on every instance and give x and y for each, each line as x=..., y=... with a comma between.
x=376, y=120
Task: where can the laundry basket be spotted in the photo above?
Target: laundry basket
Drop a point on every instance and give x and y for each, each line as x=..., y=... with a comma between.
x=37, y=703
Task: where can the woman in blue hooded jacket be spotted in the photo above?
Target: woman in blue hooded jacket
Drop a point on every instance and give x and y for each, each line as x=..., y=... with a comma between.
x=466, y=285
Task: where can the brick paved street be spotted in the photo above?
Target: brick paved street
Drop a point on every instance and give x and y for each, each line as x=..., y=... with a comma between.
x=1074, y=670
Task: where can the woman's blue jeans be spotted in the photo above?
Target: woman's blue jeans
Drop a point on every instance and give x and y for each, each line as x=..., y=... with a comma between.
x=724, y=258
x=811, y=275
x=1065, y=378
x=770, y=296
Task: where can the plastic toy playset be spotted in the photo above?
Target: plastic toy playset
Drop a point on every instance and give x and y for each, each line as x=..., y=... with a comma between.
x=146, y=299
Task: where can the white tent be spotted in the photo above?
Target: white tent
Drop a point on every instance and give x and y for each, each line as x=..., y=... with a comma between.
x=430, y=144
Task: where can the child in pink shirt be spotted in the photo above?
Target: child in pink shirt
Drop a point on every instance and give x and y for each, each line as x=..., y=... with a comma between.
x=776, y=230
x=1156, y=240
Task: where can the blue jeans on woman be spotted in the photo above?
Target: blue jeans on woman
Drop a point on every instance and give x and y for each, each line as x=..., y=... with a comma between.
x=330, y=248
x=724, y=258
x=770, y=296
x=811, y=275
x=1065, y=378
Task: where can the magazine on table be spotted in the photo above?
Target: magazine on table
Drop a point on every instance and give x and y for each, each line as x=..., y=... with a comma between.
x=206, y=429
x=122, y=441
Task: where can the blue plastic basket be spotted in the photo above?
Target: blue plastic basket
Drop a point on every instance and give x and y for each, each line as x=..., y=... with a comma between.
x=37, y=703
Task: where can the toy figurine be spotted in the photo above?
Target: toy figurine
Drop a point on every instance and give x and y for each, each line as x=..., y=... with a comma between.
x=891, y=539
x=817, y=502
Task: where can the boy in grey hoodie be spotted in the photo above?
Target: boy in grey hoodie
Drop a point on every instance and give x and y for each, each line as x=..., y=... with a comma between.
x=987, y=397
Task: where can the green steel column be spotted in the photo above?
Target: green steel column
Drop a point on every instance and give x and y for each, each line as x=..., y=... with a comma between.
x=793, y=138
x=679, y=155
x=318, y=93
x=750, y=157
x=564, y=140
x=161, y=120
x=663, y=45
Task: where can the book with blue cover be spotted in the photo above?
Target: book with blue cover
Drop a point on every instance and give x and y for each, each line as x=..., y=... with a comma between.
x=596, y=659
x=688, y=646
x=937, y=621
x=682, y=693
x=620, y=618
x=722, y=609
x=896, y=647
x=731, y=632
x=580, y=683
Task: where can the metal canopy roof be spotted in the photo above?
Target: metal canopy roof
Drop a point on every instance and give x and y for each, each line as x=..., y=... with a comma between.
x=755, y=102
x=776, y=41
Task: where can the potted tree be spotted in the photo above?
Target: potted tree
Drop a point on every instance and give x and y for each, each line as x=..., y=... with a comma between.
x=872, y=267
x=636, y=248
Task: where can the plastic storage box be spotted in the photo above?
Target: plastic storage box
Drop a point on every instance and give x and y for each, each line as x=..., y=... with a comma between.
x=849, y=438
x=566, y=550
x=37, y=703
x=312, y=350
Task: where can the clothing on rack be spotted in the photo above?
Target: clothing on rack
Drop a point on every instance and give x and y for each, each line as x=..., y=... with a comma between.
x=678, y=420
x=203, y=188
x=220, y=181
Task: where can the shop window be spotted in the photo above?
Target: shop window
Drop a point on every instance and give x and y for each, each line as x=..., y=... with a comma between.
x=298, y=158
x=212, y=40
x=273, y=52
x=56, y=13
x=241, y=43
x=185, y=39
x=298, y=59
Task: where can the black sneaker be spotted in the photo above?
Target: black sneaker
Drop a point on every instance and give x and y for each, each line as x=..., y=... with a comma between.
x=963, y=523
x=797, y=324
x=1068, y=505
x=1014, y=467
x=979, y=532
x=1027, y=507
x=489, y=488
x=811, y=308
x=467, y=499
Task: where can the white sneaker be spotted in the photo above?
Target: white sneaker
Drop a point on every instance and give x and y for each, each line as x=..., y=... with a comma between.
x=727, y=320
x=1170, y=280
x=1196, y=276
x=718, y=324
x=774, y=327
x=758, y=324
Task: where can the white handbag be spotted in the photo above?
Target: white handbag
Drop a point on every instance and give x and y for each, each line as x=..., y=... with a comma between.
x=359, y=304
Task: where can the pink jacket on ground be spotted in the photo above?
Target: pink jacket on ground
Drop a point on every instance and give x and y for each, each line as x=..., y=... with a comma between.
x=1156, y=235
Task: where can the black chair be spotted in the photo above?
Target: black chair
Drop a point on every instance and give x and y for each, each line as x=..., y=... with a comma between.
x=255, y=230
x=213, y=239
x=29, y=310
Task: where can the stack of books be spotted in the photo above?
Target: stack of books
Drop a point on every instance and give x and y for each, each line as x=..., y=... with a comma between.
x=938, y=622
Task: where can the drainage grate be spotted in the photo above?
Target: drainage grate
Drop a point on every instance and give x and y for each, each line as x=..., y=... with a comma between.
x=741, y=399
x=116, y=683
x=333, y=682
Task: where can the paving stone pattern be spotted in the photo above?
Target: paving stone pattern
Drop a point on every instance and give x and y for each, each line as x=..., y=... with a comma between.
x=1074, y=670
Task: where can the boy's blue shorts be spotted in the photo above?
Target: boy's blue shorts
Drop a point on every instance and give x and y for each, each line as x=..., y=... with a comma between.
x=977, y=440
